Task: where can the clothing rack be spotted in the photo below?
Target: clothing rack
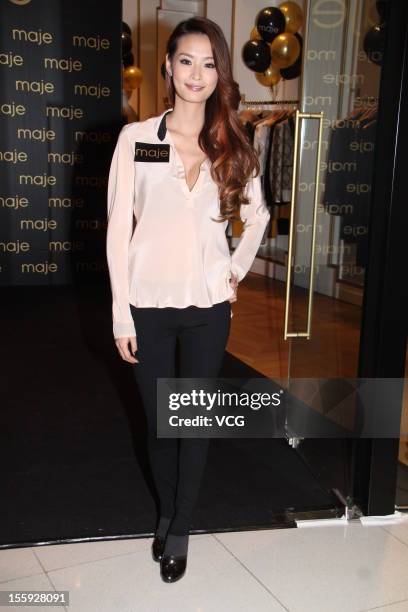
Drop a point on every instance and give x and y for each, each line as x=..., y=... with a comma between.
x=364, y=98
x=257, y=102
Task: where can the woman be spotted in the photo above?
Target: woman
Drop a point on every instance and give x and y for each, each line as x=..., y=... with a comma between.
x=182, y=175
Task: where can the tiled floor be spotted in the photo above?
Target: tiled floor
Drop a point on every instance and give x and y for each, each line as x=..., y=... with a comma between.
x=336, y=568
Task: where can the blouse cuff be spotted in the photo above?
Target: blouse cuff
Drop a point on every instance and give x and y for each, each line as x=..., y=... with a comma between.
x=123, y=330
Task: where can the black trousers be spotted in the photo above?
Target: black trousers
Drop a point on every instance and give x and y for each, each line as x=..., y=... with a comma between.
x=202, y=334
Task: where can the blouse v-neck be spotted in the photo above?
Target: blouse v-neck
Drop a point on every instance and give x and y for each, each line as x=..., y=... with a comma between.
x=180, y=164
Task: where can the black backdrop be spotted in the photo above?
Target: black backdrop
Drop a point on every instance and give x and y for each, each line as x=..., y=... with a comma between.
x=60, y=112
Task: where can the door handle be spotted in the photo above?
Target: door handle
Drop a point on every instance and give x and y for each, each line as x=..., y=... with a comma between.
x=302, y=334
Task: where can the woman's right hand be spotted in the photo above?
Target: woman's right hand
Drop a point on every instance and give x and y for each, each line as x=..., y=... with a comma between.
x=123, y=348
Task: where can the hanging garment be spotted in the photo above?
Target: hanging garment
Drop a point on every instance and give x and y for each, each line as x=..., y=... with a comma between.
x=287, y=160
x=266, y=181
x=260, y=144
x=277, y=182
x=276, y=161
x=283, y=219
x=250, y=130
x=281, y=170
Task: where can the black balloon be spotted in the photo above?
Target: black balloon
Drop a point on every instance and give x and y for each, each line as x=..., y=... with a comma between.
x=128, y=60
x=256, y=55
x=125, y=28
x=293, y=71
x=126, y=43
x=383, y=9
x=270, y=22
x=374, y=43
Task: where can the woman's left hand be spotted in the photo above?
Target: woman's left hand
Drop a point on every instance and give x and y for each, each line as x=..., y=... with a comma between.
x=234, y=285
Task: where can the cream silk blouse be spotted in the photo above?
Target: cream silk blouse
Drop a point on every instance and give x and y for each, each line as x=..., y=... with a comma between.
x=176, y=255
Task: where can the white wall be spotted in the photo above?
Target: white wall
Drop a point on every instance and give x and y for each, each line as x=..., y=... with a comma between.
x=221, y=11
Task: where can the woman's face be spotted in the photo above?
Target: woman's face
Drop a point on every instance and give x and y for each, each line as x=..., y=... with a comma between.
x=194, y=74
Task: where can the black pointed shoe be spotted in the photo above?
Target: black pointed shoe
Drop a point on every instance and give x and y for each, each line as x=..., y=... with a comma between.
x=172, y=568
x=158, y=547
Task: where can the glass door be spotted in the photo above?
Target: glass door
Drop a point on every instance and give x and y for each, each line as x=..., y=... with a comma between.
x=335, y=130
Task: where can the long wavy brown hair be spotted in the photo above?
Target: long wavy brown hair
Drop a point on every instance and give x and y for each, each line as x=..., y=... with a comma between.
x=223, y=138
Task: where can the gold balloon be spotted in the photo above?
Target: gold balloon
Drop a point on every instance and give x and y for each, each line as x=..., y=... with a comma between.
x=293, y=16
x=255, y=35
x=132, y=77
x=285, y=49
x=270, y=77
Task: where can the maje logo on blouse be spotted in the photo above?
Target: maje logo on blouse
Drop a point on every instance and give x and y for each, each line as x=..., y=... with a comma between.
x=151, y=152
